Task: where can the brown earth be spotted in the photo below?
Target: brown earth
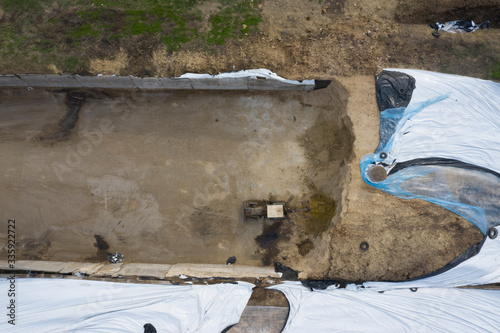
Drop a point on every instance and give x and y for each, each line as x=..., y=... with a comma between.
x=297, y=39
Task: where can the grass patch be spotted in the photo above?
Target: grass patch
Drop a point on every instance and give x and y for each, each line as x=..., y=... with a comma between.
x=233, y=21
x=495, y=74
x=99, y=29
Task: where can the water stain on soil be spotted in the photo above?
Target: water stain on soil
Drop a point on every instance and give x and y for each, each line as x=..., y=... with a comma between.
x=102, y=249
x=269, y=240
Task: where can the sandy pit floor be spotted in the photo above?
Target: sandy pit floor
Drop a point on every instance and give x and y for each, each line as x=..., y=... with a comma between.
x=161, y=177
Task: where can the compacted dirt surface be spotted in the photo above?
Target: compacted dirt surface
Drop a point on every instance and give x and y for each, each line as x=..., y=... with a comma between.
x=161, y=177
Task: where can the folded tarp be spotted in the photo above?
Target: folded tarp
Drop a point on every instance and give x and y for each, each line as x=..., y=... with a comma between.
x=65, y=305
x=362, y=310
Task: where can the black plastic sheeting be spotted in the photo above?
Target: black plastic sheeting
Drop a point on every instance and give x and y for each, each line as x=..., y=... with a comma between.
x=394, y=90
x=469, y=253
x=441, y=162
x=320, y=84
x=288, y=273
x=148, y=328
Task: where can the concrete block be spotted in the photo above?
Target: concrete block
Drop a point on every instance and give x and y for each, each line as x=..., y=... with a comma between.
x=51, y=81
x=270, y=84
x=89, y=268
x=150, y=83
x=108, y=270
x=71, y=267
x=11, y=81
x=220, y=84
x=158, y=271
x=227, y=271
x=38, y=265
x=116, y=82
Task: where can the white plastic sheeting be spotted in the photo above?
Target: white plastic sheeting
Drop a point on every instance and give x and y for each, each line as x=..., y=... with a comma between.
x=251, y=73
x=64, y=305
x=426, y=310
x=460, y=120
x=444, y=147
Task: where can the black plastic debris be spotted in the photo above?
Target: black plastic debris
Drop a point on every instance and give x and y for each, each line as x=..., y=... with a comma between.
x=364, y=246
x=115, y=258
x=321, y=84
x=394, y=90
x=148, y=328
x=318, y=284
x=231, y=260
x=459, y=26
x=288, y=273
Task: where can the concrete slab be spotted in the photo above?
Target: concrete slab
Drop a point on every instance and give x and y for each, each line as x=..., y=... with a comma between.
x=267, y=84
x=11, y=81
x=37, y=265
x=221, y=84
x=51, y=81
x=89, y=269
x=161, y=83
x=108, y=270
x=230, y=271
x=71, y=267
x=158, y=271
x=115, y=82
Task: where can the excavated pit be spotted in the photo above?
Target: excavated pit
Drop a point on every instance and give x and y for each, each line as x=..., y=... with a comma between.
x=161, y=177
x=427, y=12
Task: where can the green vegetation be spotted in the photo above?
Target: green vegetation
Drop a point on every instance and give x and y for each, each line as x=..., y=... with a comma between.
x=322, y=212
x=495, y=74
x=233, y=21
x=66, y=33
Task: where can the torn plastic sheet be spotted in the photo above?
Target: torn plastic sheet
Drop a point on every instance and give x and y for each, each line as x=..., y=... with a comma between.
x=65, y=305
x=444, y=147
x=363, y=310
x=460, y=26
x=251, y=73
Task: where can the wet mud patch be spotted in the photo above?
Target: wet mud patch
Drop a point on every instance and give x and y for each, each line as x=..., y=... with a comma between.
x=35, y=248
x=270, y=239
x=102, y=249
x=73, y=102
x=305, y=247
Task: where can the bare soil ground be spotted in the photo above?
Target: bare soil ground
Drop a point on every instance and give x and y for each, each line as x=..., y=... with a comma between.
x=161, y=177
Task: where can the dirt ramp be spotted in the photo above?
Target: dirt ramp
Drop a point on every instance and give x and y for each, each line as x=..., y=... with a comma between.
x=428, y=11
